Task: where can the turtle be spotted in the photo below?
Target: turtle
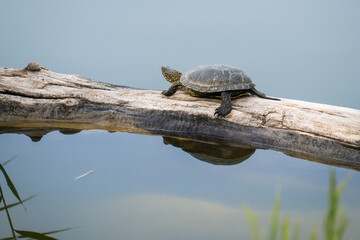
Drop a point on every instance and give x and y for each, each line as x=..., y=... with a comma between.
x=212, y=81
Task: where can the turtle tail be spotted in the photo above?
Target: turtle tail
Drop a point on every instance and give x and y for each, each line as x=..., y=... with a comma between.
x=262, y=95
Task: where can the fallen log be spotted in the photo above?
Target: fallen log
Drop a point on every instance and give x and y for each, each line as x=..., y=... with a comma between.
x=36, y=98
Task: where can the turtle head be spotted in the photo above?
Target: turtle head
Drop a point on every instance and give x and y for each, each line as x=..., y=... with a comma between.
x=170, y=74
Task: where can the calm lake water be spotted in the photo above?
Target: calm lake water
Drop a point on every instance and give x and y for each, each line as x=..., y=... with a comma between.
x=142, y=188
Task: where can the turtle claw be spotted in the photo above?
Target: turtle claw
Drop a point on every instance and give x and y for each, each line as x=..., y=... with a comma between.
x=222, y=111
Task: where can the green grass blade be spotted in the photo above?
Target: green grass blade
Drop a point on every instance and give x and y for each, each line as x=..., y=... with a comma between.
x=285, y=228
x=335, y=222
x=254, y=223
x=341, y=187
x=296, y=233
x=340, y=231
x=34, y=235
x=57, y=231
x=10, y=184
x=6, y=162
x=274, y=221
x=17, y=203
x=46, y=233
x=314, y=233
x=342, y=224
x=7, y=213
x=329, y=222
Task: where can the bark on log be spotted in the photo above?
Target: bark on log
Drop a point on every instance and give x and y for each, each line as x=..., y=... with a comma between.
x=48, y=100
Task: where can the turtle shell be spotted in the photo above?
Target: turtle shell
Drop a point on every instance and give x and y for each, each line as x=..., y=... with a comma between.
x=216, y=78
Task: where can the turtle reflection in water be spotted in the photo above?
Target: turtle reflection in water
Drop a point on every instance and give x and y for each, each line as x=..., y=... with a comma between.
x=211, y=153
x=214, y=81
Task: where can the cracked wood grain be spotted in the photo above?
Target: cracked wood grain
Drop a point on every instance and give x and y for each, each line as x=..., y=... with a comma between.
x=45, y=99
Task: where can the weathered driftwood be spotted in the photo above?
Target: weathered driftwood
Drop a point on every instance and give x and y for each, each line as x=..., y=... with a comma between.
x=49, y=100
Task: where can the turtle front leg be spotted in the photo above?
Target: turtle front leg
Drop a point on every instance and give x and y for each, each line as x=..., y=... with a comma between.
x=172, y=89
x=225, y=107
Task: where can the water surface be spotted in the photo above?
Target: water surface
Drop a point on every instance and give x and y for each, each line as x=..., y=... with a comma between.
x=143, y=188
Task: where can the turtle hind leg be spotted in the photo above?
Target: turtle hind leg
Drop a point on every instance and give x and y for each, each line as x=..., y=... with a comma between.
x=260, y=94
x=172, y=89
x=225, y=107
